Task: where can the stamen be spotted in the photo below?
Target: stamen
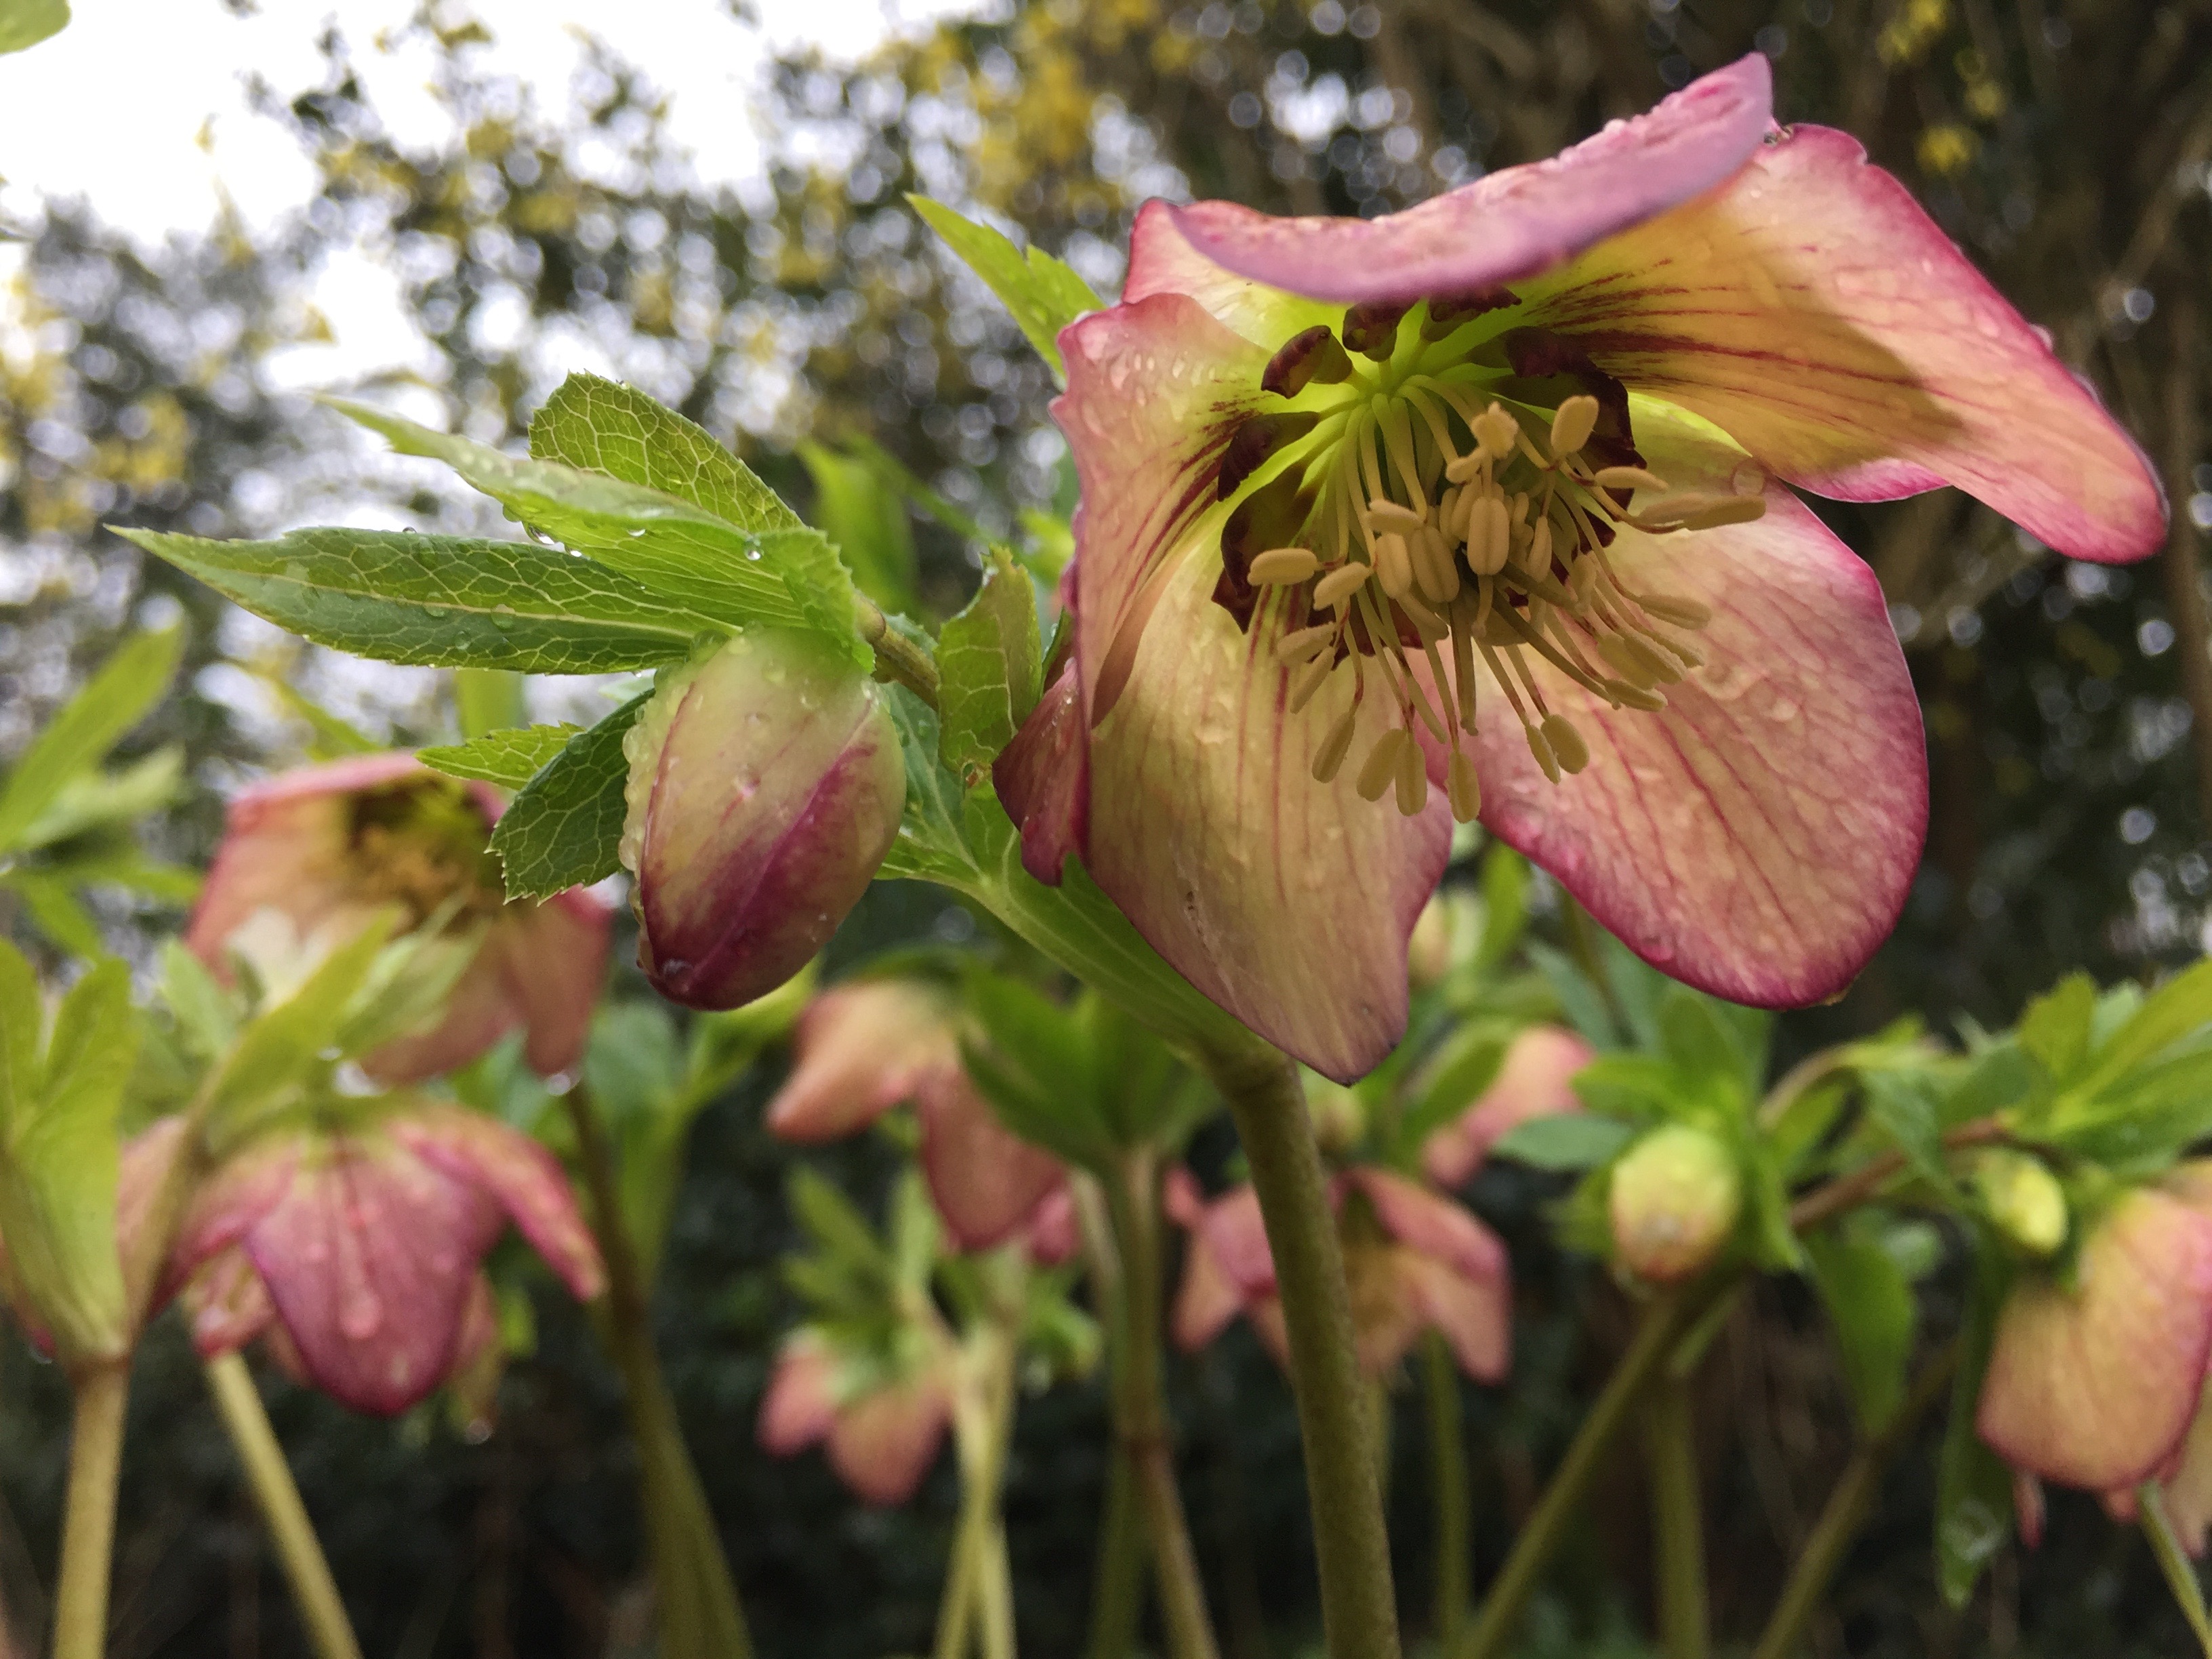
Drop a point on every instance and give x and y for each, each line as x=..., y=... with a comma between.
x=1464, y=788
x=1380, y=768
x=1310, y=678
x=1310, y=358
x=1567, y=744
x=1298, y=646
x=1328, y=758
x=1282, y=567
x=1392, y=565
x=1540, y=747
x=1675, y=608
x=1626, y=477
x=1346, y=578
x=1701, y=512
x=1386, y=515
x=1413, y=779
x=1573, y=423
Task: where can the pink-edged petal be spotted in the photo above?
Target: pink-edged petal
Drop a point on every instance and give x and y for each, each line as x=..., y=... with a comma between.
x=1042, y=778
x=1233, y=1229
x=860, y=1050
x=1812, y=309
x=525, y=1179
x=1163, y=260
x=1205, y=1301
x=984, y=1181
x=800, y=1405
x=369, y=1258
x=1052, y=1232
x=2094, y=1384
x=1535, y=1079
x=882, y=1444
x=1756, y=836
x=229, y=1203
x=1475, y=1316
x=555, y=957
x=227, y=1304
x=1511, y=223
x=1182, y=1199
x=1433, y=1225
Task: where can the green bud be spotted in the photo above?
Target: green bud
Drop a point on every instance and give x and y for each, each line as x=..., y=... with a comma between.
x=1676, y=1194
x=2022, y=1199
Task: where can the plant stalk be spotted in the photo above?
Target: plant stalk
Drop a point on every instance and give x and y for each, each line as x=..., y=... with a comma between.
x=1848, y=1503
x=978, y=1599
x=1117, y=1583
x=1455, y=1506
x=314, y=1592
x=699, y=1613
x=1359, y=1614
x=1678, y=1524
x=103, y=1393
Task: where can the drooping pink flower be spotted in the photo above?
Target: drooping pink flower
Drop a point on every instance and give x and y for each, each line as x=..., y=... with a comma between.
x=323, y=850
x=1536, y=1079
x=357, y=1246
x=1413, y=1261
x=865, y=1048
x=1492, y=495
x=881, y=1434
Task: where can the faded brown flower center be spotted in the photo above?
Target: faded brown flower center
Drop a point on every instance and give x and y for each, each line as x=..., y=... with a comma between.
x=423, y=847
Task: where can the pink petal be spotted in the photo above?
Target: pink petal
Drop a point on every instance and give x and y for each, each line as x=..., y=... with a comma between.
x=228, y=1304
x=525, y=1179
x=1510, y=224
x=1756, y=837
x=2095, y=1384
x=1432, y=1225
x=556, y=957
x=800, y=1405
x=984, y=1181
x=479, y=1011
x=1052, y=1230
x=1534, y=1080
x=1205, y=1301
x=1182, y=1199
x=860, y=1050
x=1813, y=310
x=231, y=1202
x=1162, y=260
x=1387, y=1317
x=1234, y=1230
x=2188, y=1486
x=1475, y=1316
x=1042, y=778
x=884, y=1442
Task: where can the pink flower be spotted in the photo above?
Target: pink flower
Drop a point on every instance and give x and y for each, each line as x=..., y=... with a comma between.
x=865, y=1048
x=357, y=1247
x=1536, y=1079
x=882, y=1434
x=1492, y=495
x=322, y=850
x=1414, y=1261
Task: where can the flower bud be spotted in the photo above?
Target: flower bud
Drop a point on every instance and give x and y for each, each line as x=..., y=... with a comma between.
x=765, y=787
x=1676, y=1194
x=2022, y=1199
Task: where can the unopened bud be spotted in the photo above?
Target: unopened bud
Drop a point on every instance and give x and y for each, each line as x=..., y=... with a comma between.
x=765, y=787
x=1675, y=1197
x=2022, y=1199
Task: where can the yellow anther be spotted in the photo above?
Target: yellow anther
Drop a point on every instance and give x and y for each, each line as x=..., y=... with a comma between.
x=1434, y=571
x=1394, y=566
x=1616, y=650
x=1739, y=509
x=1540, y=747
x=1329, y=759
x=1389, y=516
x=1447, y=513
x=1489, y=536
x=1626, y=477
x=1309, y=680
x=1380, y=770
x=1675, y=608
x=1281, y=566
x=1464, y=788
x=1572, y=424
x=1495, y=430
x=1631, y=696
x=1340, y=585
x=1690, y=655
x=1701, y=512
x=1297, y=647
x=1520, y=507
x=1413, y=779
x=1426, y=622
x=1540, y=550
x=1567, y=744
x=1466, y=468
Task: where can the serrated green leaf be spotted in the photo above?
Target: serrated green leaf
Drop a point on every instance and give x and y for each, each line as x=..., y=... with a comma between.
x=990, y=667
x=2180, y=1008
x=859, y=510
x=2055, y=1027
x=55, y=910
x=1908, y=1106
x=509, y=759
x=1566, y=1141
x=1042, y=292
x=129, y=683
x=1871, y=1308
x=564, y=828
x=600, y=426
x=26, y=22
x=97, y=800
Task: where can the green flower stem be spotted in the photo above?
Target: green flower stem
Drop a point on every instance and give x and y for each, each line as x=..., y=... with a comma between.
x=699, y=1613
x=1359, y=1614
x=1678, y=1522
x=2173, y=1561
x=978, y=1599
x=1847, y=1192
x=1140, y=1411
x=1664, y=1321
x=1117, y=1585
x=1455, y=1507
x=103, y=1392
x=897, y=657
x=1845, y=1512
x=314, y=1590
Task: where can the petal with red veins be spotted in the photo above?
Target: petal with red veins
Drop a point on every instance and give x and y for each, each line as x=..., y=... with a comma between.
x=1756, y=837
x=1162, y=260
x=1475, y=1316
x=229, y=1203
x=1042, y=778
x=884, y=1442
x=1814, y=311
x=800, y=1405
x=2094, y=1384
x=1509, y=224
x=984, y=1181
x=1434, y=1225
x=1535, y=1080
x=525, y=1179
x=861, y=1049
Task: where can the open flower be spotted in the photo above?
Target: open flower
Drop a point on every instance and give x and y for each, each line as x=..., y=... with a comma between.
x=1483, y=508
x=316, y=853
x=1536, y=1079
x=882, y=1432
x=863, y=1049
x=356, y=1247
x=1414, y=1261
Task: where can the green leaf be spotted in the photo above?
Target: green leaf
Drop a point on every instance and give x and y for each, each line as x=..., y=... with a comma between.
x=1974, y=1487
x=1033, y=1062
x=206, y=1012
x=129, y=683
x=26, y=22
x=1582, y=1000
x=2180, y=1008
x=1908, y=1106
x=1043, y=294
x=1870, y=1305
x=600, y=426
x=2055, y=1027
x=444, y=601
x=990, y=664
x=1504, y=904
x=509, y=759
x=565, y=827
x=284, y=1045
x=50, y=904
x=860, y=511
x=1567, y=1141
x=99, y=800
x=2173, y=1561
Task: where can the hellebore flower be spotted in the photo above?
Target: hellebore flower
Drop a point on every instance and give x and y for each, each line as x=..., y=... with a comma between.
x=1673, y=1201
x=1490, y=494
x=765, y=787
x=1536, y=1079
x=357, y=1247
x=322, y=850
x=861, y=1049
x=2095, y=1382
x=882, y=1433
x=1413, y=1261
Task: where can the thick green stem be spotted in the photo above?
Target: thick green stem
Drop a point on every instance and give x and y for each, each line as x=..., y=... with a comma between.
x=978, y=1588
x=1117, y=1583
x=1664, y=1320
x=1845, y=1512
x=314, y=1592
x=699, y=1614
x=1359, y=1614
x=1678, y=1523
x=1140, y=1410
x=1455, y=1507
x=103, y=1392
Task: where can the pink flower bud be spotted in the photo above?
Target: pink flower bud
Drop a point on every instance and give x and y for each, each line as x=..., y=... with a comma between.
x=1676, y=1194
x=765, y=788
